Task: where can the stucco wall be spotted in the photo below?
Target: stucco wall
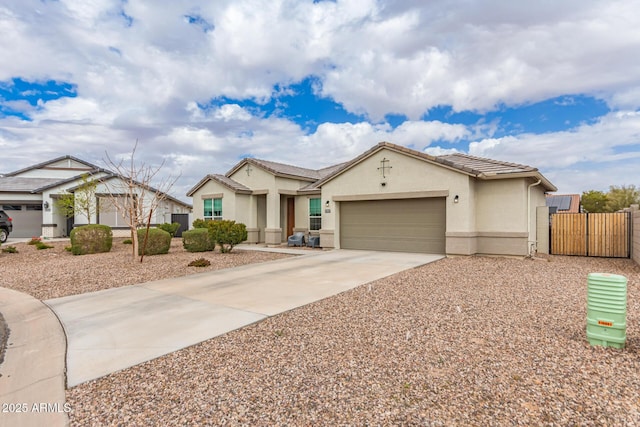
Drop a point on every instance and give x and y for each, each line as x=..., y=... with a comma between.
x=636, y=236
x=215, y=188
x=407, y=175
x=501, y=206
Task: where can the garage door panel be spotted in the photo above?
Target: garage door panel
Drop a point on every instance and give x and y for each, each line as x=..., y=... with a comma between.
x=407, y=225
x=27, y=222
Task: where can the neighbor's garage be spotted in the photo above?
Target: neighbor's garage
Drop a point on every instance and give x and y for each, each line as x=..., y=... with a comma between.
x=400, y=225
x=27, y=219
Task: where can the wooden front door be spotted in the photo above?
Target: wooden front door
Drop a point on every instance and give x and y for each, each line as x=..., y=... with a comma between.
x=291, y=215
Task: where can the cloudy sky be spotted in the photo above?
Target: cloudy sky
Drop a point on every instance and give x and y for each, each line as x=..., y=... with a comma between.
x=201, y=84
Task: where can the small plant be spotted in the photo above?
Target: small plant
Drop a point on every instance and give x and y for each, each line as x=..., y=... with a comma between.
x=68, y=248
x=34, y=240
x=200, y=262
x=127, y=242
x=40, y=245
x=10, y=250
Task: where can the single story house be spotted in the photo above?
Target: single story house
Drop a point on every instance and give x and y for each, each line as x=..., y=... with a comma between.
x=388, y=198
x=28, y=197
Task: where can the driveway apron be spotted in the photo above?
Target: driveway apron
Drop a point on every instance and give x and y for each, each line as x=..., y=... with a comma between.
x=118, y=328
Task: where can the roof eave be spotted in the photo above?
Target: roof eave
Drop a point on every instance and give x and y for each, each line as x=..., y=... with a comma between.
x=512, y=175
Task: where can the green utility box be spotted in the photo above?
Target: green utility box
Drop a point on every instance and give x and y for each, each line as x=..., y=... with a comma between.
x=607, y=310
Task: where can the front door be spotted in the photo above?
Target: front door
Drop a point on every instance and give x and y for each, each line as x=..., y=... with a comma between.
x=291, y=215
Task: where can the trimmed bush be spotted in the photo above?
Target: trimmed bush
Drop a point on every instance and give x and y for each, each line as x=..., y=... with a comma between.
x=170, y=228
x=227, y=234
x=158, y=241
x=91, y=239
x=201, y=223
x=197, y=240
x=224, y=233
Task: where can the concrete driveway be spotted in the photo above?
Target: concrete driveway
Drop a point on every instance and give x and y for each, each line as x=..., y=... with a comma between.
x=117, y=328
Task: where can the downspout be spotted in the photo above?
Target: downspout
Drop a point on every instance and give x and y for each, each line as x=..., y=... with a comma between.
x=531, y=244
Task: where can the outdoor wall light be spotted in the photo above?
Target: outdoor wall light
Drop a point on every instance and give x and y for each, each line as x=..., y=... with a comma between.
x=46, y=205
x=326, y=204
x=456, y=199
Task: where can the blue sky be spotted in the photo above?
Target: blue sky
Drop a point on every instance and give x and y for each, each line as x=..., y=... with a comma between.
x=313, y=83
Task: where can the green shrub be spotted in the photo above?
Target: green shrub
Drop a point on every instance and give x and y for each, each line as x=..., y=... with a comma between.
x=201, y=223
x=170, y=228
x=158, y=241
x=34, y=240
x=227, y=234
x=41, y=245
x=200, y=262
x=197, y=240
x=91, y=239
x=224, y=233
x=127, y=242
x=10, y=250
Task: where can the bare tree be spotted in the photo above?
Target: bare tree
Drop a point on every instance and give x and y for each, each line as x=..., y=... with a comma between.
x=130, y=192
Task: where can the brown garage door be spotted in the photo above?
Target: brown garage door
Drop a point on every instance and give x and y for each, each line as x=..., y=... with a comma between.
x=403, y=225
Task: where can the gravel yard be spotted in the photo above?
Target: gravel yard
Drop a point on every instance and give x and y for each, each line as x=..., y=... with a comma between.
x=463, y=341
x=53, y=273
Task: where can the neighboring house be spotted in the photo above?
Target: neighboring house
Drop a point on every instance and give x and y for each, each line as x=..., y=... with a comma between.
x=563, y=203
x=28, y=196
x=389, y=198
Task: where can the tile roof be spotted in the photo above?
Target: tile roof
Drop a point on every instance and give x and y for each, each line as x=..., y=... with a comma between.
x=480, y=165
x=18, y=184
x=232, y=184
x=222, y=179
x=284, y=169
x=476, y=166
x=48, y=162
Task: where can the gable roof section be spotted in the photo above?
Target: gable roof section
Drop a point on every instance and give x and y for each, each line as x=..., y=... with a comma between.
x=112, y=175
x=18, y=184
x=232, y=185
x=477, y=167
x=278, y=169
x=50, y=162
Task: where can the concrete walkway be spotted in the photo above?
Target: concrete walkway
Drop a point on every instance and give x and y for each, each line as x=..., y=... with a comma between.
x=117, y=328
x=32, y=381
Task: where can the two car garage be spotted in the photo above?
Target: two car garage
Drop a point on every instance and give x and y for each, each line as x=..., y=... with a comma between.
x=27, y=219
x=399, y=225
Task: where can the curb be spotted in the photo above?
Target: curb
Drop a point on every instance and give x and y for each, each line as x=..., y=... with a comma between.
x=32, y=385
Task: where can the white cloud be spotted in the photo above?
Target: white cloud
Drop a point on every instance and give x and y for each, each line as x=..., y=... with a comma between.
x=141, y=70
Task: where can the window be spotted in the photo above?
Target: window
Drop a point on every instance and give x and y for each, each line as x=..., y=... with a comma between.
x=213, y=209
x=12, y=207
x=315, y=214
x=34, y=207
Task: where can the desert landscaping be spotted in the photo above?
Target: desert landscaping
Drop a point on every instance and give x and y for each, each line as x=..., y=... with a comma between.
x=462, y=341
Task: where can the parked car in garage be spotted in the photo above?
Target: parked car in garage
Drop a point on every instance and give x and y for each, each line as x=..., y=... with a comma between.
x=6, y=226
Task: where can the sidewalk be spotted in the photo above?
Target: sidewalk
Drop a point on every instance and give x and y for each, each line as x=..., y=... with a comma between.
x=33, y=371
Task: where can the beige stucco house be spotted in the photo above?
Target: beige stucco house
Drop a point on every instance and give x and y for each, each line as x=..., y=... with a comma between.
x=388, y=198
x=28, y=196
